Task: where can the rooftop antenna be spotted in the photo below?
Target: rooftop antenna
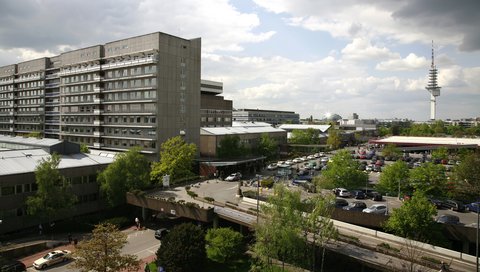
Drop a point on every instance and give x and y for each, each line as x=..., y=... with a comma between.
x=432, y=86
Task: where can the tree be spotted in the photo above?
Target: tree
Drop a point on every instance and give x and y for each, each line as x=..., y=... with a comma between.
x=391, y=150
x=267, y=147
x=334, y=139
x=176, y=160
x=102, y=252
x=414, y=219
x=342, y=171
x=224, y=245
x=84, y=148
x=393, y=176
x=230, y=147
x=129, y=171
x=305, y=137
x=429, y=178
x=440, y=153
x=466, y=177
x=182, y=249
x=53, y=196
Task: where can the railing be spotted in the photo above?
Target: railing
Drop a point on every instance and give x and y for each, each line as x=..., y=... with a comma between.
x=129, y=63
x=81, y=70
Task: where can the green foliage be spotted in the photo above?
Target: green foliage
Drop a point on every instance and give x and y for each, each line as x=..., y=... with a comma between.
x=176, y=160
x=118, y=222
x=466, y=177
x=267, y=147
x=392, y=175
x=192, y=194
x=129, y=171
x=268, y=182
x=53, y=195
x=224, y=245
x=440, y=153
x=429, y=178
x=414, y=219
x=84, y=148
x=343, y=172
x=183, y=249
x=334, y=139
x=35, y=134
x=209, y=199
x=384, y=131
x=306, y=137
x=391, y=150
x=230, y=147
x=102, y=252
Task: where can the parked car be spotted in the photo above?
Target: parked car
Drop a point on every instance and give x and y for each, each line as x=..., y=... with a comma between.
x=272, y=166
x=344, y=192
x=473, y=207
x=160, y=233
x=377, y=196
x=448, y=219
x=340, y=203
x=436, y=202
x=297, y=160
x=234, y=177
x=324, y=160
x=356, y=206
x=454, y=205
x=52, y=258
x=376, y=209
x=369, y=167
x=358, y=194
x=12, y=266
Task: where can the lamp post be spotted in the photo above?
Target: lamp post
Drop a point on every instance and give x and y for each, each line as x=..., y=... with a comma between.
x=258, y=195
x=478, y=222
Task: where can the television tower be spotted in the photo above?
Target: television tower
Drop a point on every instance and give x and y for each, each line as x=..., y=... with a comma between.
x=433, y=87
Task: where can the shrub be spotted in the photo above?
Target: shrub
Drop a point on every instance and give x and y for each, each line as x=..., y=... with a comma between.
x=209, y=199
x=119, y=222
x=192, y=194
x=267, y=183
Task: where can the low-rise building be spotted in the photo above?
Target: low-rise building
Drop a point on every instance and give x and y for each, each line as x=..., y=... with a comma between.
x=215, y=110
x=270, y=116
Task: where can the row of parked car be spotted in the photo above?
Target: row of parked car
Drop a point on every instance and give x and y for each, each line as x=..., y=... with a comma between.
x=360, y=206
x=455, y=205
x=290, y=163
x=358, y=194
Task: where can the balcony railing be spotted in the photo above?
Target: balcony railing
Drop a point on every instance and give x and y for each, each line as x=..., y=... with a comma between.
x=129, y=63
x=78, y=71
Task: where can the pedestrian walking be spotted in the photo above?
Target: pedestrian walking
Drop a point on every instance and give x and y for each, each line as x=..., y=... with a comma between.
x=137, y=223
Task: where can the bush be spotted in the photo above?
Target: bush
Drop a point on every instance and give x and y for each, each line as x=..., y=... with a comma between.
x=267, y=183
x=119, y=222
x=250, y=194
x=209, y=199
x=192, y=194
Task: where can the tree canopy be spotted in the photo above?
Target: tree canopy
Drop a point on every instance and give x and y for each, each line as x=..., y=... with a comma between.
x=102, y=252
x=414, y=219
x=440, y=153
x=429, y=178
x=393, y=176
x=224, y=245
x=230, y=147
x=128, y=172
x=305, y=137
x=466, y=177
x=391, y=150
x=342, y=171
x=182, y=249
x=267, y=147
x=334, y=139
x=53, y=195
x=176, y=160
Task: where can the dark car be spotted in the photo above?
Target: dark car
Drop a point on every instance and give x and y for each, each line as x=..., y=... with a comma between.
x=356, y=206
x=448, y=219
x=473, y=207
x=436, y=202
x=12, y=266
x=454, y=205
x=358, y=194
x=160, y=233
x=377, y=196
x=340, y=203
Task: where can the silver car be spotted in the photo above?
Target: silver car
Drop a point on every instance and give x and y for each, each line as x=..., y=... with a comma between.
x=376, y=209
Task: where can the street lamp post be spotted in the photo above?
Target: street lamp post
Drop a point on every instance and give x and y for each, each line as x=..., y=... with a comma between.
x=258, y=195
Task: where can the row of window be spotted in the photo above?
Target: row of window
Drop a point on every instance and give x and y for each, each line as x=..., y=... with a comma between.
x=213, y=119
x=81, y=130
x=123, y=143
x=146, y=107
x=27, y=119
x=134, y=83
x=135, y=71
x=78, y=88
x=31, y=84
x=79, y=78
x=130, y=132
x=130, y=119
x=138, y=95
x=74, y=109
x=6, y=88
x=30, y=93
x=18, y=189
x=78, y=98
x=24, y=110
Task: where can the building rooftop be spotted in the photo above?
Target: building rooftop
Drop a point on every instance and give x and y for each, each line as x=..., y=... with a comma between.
x=237, y=130
x=429, y=140
x=322, y=128
x=25, y=161
x=250, y=124
x=30, y=141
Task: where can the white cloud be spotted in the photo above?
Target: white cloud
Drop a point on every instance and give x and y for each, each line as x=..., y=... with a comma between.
x=361, y=49
x=411, y=62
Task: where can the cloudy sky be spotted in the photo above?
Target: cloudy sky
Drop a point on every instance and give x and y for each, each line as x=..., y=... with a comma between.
x=308, y=56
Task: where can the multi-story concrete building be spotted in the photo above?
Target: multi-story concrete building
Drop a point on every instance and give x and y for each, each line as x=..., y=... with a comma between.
x=138, y=91
x=215, y=111
x=270, y=116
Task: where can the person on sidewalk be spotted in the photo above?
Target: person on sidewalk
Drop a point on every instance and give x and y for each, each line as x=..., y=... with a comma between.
x=137, y=222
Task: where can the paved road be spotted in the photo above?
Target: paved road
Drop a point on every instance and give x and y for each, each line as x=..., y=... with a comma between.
x=140, y=243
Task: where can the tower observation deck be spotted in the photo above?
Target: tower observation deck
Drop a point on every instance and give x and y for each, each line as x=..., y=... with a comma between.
x=432, y=86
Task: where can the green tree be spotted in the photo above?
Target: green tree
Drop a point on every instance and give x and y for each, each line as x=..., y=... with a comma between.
x=182, y=249
x=393, y=176
x=334, y=139
x=267, y=147
x=224, y=245
x=129, y=171
x=102, y=252
x=342, y=171
x=278, y=235
x=230, y=147
x=466, y=177
x=305, y=137
x=84, y=148
x=391, y=150
x=438, y=128
x=176, y=160
x=429, y=178
x=53, y=196
x=414, y=219
x=440, y=153
x=384, y=131
x=456, y=131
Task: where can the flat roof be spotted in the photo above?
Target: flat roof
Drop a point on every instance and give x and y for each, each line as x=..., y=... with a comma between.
x=237, y=130
x=250, y=124
x=429, y=140
x=322, y=128
x=25, y=161
x=31, y=141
